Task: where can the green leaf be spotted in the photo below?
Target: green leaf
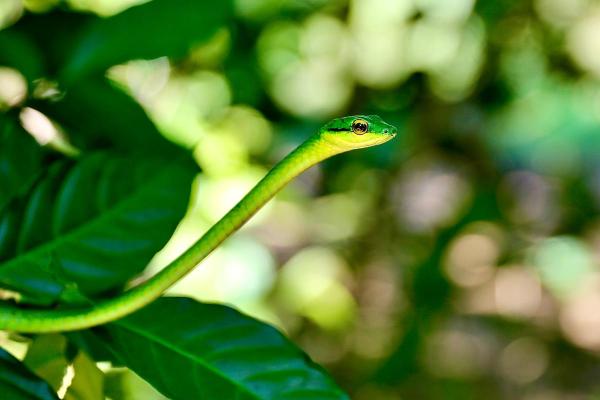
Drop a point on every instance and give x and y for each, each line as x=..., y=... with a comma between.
x=187, y=349
x=88, y=383
x=123, y=383
x=96, y=223
x=19, y=52
x=18, y=383
x=98, y=115
x=20, y=161
x=46, y=357
x=65, y=28
x=154, y=29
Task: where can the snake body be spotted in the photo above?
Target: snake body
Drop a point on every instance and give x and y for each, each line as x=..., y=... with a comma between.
x=337, y=136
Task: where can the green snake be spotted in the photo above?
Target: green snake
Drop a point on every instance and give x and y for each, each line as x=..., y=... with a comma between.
x=337, y=136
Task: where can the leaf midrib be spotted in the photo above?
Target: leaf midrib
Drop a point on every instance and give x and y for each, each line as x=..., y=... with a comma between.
x=186, y=354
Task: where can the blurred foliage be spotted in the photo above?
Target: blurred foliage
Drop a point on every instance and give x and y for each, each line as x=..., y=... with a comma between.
x=461, y=260
x=19, y=383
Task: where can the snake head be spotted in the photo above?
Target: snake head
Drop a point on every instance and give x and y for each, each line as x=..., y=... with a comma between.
x=357, y=131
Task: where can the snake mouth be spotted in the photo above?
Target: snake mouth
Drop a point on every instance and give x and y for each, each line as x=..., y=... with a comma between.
x=384, y=138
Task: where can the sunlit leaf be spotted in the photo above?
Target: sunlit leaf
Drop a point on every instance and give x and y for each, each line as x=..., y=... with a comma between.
x=97, y=114
x=187, y=350
x=96, y=223
x=88, y=382
x=46, y=357
x=154, y=29
x=123, y=383
x=18, y=383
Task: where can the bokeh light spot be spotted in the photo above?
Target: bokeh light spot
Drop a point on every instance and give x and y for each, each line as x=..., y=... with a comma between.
x=518, y=292
x=310, y=284
x=524, y=360
x=13, y=88
x=563, y=264
x=10, y=11
x=580, y=315
x=429, y=194
x=471, y=258
x=458, y=354
x=39, y=126
x=583, y=43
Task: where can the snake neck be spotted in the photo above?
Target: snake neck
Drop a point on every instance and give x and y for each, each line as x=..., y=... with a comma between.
x=309, y=153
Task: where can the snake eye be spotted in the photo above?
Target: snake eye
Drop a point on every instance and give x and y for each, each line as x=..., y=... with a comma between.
x=360, y=126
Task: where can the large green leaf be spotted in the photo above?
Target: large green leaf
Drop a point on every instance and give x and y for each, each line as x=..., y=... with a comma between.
x=190, y=350
x=38, y=43
x=88, y=382
x=154, y=29
x=20, y=161
x=98, y=115
x=46, y=357
x=18, y=383
x=96, y=223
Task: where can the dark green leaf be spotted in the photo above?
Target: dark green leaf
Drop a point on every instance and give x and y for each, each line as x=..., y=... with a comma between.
x=18, y=383
x=20, y=161
x=191, y=350
x=99, y=115
x=50, y=34
x=19, y=52
x=154, y=29
x=96, y=223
